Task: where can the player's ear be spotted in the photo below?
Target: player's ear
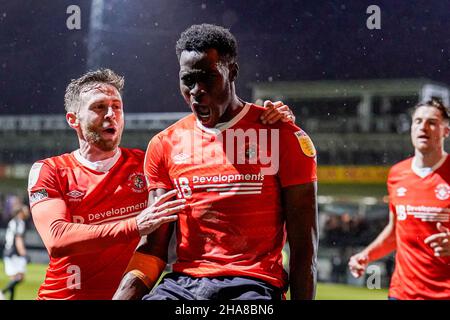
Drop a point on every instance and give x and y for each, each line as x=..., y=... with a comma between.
x=234, y=70
x=72, y=120
x=446, y=131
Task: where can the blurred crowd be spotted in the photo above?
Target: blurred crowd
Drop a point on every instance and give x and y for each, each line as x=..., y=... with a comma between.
x=344, y=234
x=344, y=230
x=9, y=202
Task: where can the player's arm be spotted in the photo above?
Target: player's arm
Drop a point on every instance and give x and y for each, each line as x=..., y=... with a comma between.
x=298, y=178
x=384, y=244
x=148, y=262
x=276, y=111
x=150, y=257
x=300, y=209
x=19, y=239
x=20, y=245
x=63, y=238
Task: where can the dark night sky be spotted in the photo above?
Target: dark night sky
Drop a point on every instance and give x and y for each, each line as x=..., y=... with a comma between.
x=279, y=40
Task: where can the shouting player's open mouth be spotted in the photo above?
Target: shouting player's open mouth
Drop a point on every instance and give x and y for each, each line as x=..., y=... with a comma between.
x=109, y=131
x=203, y=112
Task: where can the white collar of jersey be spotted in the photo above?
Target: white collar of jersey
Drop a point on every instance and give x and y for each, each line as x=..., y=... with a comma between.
x=423, y=172
x=101, y=165
x=224, y=125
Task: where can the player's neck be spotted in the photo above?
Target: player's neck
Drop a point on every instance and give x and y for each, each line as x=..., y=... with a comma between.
x=429, y=159
x=93, y=154
x=236, y=105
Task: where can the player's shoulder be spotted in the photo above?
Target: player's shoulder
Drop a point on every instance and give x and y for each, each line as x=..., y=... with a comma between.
x=185, y=123
x=446, y=163
x=11, y=223
x=254, y=108
x=288, y=132
x=63, y=160
x=402, y=165
x=20, y=224
x=46, y=169
x=133, y=153
x=254, y=114
x=400, y=169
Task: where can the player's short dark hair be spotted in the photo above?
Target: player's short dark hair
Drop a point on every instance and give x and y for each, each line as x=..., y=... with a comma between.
x=76, y=86
x=434, y=103
x=201, y=37
x=19, y=210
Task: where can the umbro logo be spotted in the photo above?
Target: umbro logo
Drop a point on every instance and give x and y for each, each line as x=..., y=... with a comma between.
x=180, y=158
x=401, y=192
x=75, y=195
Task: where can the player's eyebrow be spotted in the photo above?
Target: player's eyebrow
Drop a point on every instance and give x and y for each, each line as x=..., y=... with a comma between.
x=433, y=119
x=108, y=99
x=192, y=72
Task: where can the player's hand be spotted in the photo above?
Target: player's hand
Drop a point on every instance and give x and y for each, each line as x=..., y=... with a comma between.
x=160, y=212
x=27, y=258
x=276, y=111
x=440, y=242
x=358, y=264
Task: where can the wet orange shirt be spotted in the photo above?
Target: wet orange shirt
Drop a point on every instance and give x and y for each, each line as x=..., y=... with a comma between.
x=419, y=203
x=235, y=225
x=86, y=220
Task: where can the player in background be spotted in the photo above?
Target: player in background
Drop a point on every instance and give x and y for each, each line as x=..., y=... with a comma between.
x=15, y=252
x=419, y=203
x=230, y=236
x=90, y=206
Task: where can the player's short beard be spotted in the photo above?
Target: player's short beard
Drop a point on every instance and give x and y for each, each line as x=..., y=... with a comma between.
x=93, y=137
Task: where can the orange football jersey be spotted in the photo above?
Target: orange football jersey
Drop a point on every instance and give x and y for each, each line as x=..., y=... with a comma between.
x=91, y=243
x=418, y=204
x=231, y=177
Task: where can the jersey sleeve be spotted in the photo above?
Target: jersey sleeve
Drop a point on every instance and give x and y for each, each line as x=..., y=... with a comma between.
x=155, y=168
x=61, y=236
x=42, y=184
x=297, y=157
x=64, y=238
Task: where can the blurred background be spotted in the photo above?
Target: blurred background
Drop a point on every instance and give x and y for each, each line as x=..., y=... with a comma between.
x=351, y=88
